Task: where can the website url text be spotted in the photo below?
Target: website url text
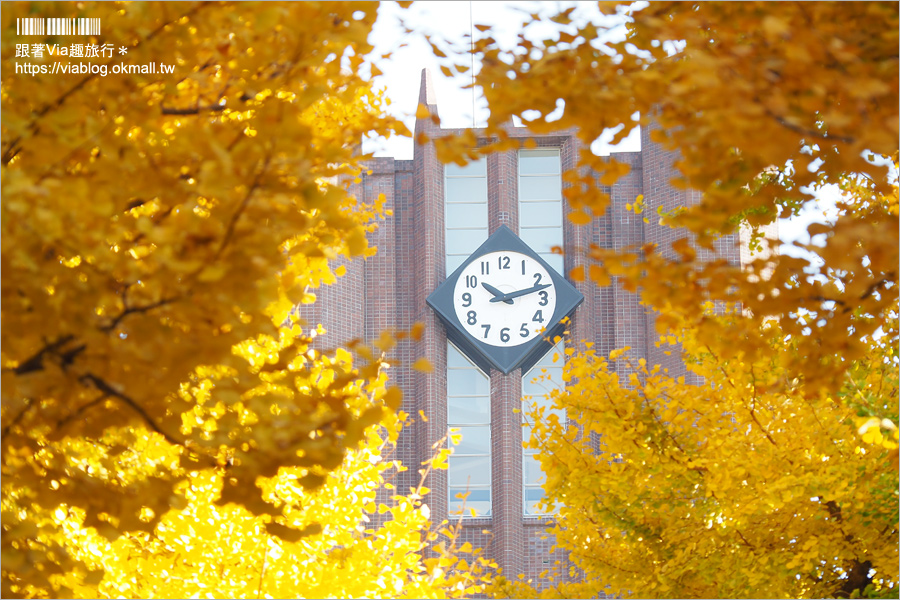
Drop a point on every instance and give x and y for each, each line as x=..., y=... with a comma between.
x=84, y=68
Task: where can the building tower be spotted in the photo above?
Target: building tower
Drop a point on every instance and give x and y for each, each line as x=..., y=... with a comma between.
x=440, y=215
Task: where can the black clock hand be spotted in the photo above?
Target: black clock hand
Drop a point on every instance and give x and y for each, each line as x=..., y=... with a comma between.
x=497, y=293
x=508, y=297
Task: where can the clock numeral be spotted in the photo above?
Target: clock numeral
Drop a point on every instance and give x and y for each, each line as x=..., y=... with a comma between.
x=523, y=267
x=471, y=281
x=537, y=279
x=467, y=300
x=545, y=299
x=485, y=268
x=538, y=317
x=470, y=317
x=504, y=334
x=503, y=262
x=486, y=329
x=523, y=331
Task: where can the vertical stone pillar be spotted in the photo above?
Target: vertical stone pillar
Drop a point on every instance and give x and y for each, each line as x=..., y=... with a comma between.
x=428, y=207
x=406, y=296
x=627, y=232
x=503, y=190
x=508, y=543
x=381, y=285
x=577, y=241
x=506, y=393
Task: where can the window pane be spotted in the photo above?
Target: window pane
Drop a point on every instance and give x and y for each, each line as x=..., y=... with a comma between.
x=541, y=240
x=556, y=261
x=465, y=241
x=470, y=470
x=467, y=215
x=467, y=190
x=534, y=389
x=469, y=410
x=540, y=214
x=548, y=187
x=455, y=358
x=547, y=369
x=479, y=499
x=538, y=389
x=526, y=429
x=555, y=357
x=467, y=382
x=538, y=162
x=545, y=375
x=475, y=440
x=533, y=495
x=476, y=167
x=533, y=473
x=453, y=261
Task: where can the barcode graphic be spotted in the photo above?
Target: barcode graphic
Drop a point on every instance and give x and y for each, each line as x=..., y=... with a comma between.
x=88, y=26
x=30, y=26
x=53, y=26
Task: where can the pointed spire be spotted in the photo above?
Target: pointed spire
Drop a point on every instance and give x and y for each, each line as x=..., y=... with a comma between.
x=426, y=90
x=428, y=98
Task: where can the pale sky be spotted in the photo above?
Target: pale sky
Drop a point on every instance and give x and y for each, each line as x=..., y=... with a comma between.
x=410, y=53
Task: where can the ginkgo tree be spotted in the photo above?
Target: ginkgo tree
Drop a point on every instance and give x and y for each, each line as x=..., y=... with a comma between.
x=352, y=545
x=739, y=486
x=157, y=229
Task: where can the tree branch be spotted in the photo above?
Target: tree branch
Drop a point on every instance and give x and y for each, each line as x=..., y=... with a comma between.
x=135, y=310
x=877, y=285
x=192, y=111
x=196, y=110
x=761, y=428
x=107, y=389
x=18, y=417
x=262, y=572
x=741, y=535
x=243, y=205
x=808, y=132
x=79, y=411
x=36, y=362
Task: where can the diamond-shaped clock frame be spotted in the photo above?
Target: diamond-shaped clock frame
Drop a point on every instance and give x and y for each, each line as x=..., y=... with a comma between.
x=508, y=359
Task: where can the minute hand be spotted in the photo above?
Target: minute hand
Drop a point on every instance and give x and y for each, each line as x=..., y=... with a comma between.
x=518, y=293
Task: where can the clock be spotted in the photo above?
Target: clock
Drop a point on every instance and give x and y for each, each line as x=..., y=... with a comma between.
x=504, y=298
x=503, y=303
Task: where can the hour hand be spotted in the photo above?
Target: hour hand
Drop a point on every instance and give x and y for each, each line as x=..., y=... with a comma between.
x=497, y=293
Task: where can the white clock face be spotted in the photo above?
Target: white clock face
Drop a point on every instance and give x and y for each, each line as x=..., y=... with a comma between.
x=504, y=298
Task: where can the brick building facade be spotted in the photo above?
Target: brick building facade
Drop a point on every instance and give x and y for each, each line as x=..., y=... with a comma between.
x=388, y=291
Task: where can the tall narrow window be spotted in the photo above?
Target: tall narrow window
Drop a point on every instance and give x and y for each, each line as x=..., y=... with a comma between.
x=540, y=203
x=466, y=214
x=537, y=384
x=469, y=412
